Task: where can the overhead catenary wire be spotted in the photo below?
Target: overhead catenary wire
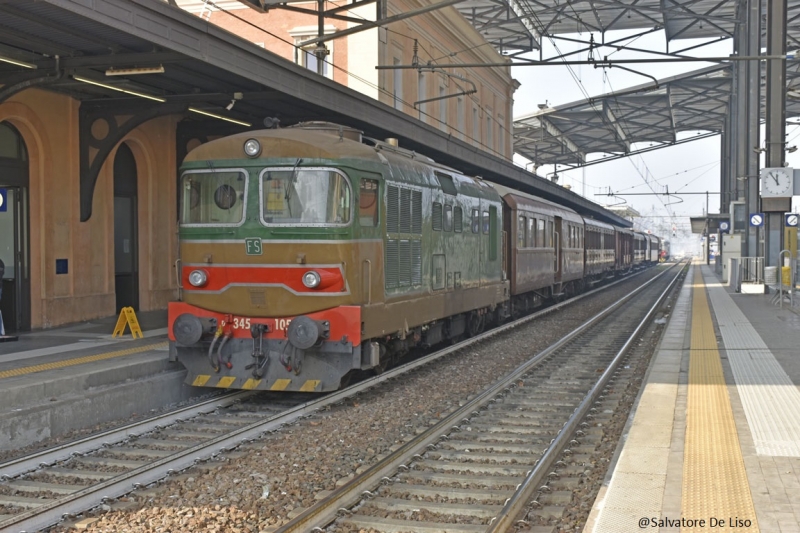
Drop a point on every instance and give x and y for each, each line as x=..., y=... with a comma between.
x=300, y=49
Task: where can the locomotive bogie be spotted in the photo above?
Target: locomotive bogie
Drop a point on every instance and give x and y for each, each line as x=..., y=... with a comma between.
x=263, y=353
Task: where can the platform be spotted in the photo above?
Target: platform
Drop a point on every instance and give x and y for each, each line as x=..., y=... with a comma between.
x=714, y=441
x=57, y=380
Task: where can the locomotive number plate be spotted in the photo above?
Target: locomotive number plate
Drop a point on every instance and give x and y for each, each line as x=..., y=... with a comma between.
x=282, y=324
x=241, y=323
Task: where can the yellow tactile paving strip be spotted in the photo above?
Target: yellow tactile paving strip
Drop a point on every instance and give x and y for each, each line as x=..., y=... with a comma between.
x=78, y=360
x=714, y=478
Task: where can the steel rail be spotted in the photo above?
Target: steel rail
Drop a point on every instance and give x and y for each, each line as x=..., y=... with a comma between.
x=326, y=509
x=504, y=521
x=49, y=456
x=52, y=512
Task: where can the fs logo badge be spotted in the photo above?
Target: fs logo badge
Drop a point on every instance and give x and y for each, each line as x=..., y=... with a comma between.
x=252, y=246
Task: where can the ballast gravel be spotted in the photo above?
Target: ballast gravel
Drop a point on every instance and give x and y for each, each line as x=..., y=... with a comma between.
x=261, y=485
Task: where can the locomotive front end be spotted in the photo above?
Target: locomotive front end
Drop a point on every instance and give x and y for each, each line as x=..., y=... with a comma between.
x=268, y=251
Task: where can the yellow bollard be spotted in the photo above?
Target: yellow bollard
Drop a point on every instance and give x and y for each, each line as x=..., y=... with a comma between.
x=786, y=276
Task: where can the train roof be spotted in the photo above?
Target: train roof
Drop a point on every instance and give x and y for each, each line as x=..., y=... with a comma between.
x=285, y=142
x=598, y=224
x=517, y=198
x=314, y=140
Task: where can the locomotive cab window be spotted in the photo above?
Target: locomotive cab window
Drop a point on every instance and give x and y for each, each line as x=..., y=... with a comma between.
x=368, y=203
x=305, y=197
x=213, y=197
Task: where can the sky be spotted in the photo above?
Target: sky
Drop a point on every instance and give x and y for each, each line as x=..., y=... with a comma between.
x=690, y=167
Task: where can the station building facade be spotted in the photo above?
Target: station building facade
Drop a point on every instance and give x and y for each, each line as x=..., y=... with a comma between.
x=60, y=270
x=441, y=37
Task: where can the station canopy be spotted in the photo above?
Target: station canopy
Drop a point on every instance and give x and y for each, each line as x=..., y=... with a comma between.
x=696, y=102
x=609, y=124
x=520, y=25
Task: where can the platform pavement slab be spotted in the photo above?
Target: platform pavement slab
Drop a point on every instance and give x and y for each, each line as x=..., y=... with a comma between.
x=774, y=477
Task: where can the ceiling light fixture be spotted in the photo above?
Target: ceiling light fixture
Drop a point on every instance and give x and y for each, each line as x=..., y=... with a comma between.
x=120, y=89
x=17, y=62
x=134, y=71
x=220, y=117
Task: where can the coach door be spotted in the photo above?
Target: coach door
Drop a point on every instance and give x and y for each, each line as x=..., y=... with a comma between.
x=126, y=256
x=558, y=255
x=15, y=301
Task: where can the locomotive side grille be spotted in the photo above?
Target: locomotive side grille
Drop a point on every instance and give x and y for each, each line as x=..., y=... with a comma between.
x=437, y=217
x=405, y=263
x=405, y=211
x=416, y=212
x=403, y=259
x=392, y=209
x=416, y=262
x=392, y=264
x=458, y=219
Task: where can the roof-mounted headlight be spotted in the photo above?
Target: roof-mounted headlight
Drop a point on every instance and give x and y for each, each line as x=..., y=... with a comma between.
x=252, y=147
x=198, y=278
x=311, y=279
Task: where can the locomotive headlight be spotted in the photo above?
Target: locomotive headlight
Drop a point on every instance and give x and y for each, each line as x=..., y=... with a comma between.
x=311, y=279
x=252, y=147
x=198, y=278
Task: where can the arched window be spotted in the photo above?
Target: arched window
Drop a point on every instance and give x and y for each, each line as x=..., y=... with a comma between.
x=11, y=143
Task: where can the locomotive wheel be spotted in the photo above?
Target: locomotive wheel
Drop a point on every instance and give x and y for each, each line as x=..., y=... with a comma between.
x=345, y=380
x=474, y=324
x=385, y=363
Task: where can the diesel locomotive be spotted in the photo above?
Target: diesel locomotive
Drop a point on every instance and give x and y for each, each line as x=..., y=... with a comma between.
x=307, y=254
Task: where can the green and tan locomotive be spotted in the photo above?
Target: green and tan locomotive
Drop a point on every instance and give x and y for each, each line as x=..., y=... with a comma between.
x=307, y=254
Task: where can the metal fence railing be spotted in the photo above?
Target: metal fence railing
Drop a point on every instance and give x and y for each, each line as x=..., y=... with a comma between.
x=751, y=270
x=784, y=282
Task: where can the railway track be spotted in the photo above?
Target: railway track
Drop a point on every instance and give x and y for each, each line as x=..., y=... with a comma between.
x=79, y=476
x=477, y=470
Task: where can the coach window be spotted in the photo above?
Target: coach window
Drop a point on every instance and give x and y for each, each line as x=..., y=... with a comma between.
x=368, y=203
x=476, y=221
x=486, y=222
x=458, y=219
x=437, y=216
x=540, y=236
x=448, y=218
x=532, y=232
x=549, y=234
x=521, y=232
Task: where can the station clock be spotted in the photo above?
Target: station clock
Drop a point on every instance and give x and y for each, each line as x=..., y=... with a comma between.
x=777, y=182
